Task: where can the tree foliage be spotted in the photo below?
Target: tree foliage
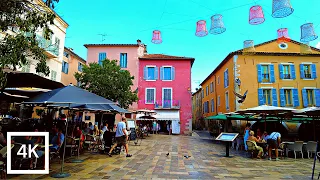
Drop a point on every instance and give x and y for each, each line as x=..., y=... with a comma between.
x=108, y=80
x=19, y=22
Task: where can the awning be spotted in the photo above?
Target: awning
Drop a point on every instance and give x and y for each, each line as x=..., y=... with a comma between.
x=162, y=115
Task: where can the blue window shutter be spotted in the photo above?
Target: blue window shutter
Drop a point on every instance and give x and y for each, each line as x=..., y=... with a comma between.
x=172, y=73
x=121, y=60
x=260, y=97
x=305, y=98
x=281, y=71
x=156, y=72
x=295, y=94
x=212, y=105
x=272, y=78
x=274, y=97
x=301, y=72
x=293, y=71
x=125, y=60
x=317, y=95
x=313, y=71
x=282, y=98
x=259, y=68
x=145, y=72
x=161, y=73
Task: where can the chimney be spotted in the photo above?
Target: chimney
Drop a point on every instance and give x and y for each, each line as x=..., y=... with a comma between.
x=145, y=49
x=138, y=41
x=71, y=49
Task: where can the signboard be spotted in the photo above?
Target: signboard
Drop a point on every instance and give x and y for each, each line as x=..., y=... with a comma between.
x=131, y=124
x=227, y=136
x=133, y=135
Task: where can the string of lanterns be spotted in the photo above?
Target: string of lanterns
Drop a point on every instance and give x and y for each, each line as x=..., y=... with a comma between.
x=280, y=9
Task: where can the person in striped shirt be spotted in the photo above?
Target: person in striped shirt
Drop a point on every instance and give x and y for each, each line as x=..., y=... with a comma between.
x=274, y=140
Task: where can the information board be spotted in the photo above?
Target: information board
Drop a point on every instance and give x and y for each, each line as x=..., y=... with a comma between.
x=227, y=136
x=131, y=124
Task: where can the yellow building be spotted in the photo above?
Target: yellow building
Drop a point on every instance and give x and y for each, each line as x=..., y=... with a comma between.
x=285, y=74
x=71, y=64
x=197, y=110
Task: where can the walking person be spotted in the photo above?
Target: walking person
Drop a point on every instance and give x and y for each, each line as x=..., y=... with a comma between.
x=246, y=135
x=274, y=140
x=121, y=137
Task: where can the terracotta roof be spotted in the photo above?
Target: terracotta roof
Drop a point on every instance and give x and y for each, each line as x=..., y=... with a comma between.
x=238, y=52
x=166, y=57
x=74, y=54
x=112, y=45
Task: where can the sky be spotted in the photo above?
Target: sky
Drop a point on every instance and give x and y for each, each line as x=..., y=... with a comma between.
x=125, y=21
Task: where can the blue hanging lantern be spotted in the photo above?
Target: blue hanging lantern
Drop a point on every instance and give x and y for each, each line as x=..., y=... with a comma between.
x=281, y=8
x=307, y=33
x=217, y=25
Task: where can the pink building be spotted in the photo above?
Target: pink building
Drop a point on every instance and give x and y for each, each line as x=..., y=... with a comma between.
x=165, y=87
x=127, y=54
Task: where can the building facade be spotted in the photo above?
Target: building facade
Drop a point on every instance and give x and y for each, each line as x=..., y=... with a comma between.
x=274, y=74
x=54, y=47
x=165, y=87
x=126, y=54
x=71, y=64
x=197, y=111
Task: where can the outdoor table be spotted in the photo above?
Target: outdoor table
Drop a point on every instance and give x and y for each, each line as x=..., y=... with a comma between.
x=43, y=146
x=287, y=143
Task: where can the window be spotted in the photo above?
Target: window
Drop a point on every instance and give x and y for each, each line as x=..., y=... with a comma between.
x=226, y=78
x=308, y=71
x=102, y=56
x=167, y=73
x=218, y=80
x=218, y=100
x=211, y=87
x=150, y=95
x=57, y=46
x=123, y=60
x=207, y=90
x=266, y=73
x=80, y=66
x=289, y=97
x=65, y=67
x=65, y=54
x=227, y=100
x=206, y=107
x=26, y=67
x=150, y=73
x=166, y=97
x=212, y=105
x=53, y=75
x=268, y=97
x=202, y=93
x=287, y=71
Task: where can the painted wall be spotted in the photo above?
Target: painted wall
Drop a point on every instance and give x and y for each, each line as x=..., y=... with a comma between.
x=113, y=52
x=179, y=85
x=73, y=61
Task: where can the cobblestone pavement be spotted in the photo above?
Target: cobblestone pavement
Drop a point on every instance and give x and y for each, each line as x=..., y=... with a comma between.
x=206, y=161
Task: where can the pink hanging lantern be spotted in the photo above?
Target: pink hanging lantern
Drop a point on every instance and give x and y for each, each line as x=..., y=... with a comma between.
x=283, y=35
x=156, y=37
x=201, y=30
x=256, y=15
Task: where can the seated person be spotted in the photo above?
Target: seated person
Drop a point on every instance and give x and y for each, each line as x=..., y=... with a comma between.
x=254, y=139
x=57, y=140
x=78, y=134
x=3, y=141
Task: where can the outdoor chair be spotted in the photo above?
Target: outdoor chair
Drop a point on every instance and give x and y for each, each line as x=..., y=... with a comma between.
x=296, y=147
x=19, y=161
x=311, y=147
x=281, y=150
x=73, y=145
x=240, y=144
x=3, y=154
x=252, y=147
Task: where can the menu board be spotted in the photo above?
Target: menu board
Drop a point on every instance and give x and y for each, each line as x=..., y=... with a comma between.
x=227, y=136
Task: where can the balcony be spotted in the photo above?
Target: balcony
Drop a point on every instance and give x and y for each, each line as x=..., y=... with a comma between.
x=52, y=51
x=167, y=104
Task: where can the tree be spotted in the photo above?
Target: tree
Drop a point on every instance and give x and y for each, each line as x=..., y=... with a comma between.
x=108, y=80
x=20, y=20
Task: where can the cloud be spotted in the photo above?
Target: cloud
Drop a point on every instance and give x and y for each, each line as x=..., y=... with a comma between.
x=318, y=45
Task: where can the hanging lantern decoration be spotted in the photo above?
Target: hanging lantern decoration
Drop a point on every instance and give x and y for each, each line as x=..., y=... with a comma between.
x=256, y=15
x=248, y=47
x=283, y=35
x=305, y=48
x=201, y=30
x=281, y=8
x=156, y=37
x=307, y=33
x=217, y=25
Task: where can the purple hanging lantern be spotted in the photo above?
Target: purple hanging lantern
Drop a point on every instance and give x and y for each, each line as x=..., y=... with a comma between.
x=256, y=15
x=217, y=25
x=201, y=30
x=281, y=8
x=283, y=35
x=307, y=33
x=156, y=37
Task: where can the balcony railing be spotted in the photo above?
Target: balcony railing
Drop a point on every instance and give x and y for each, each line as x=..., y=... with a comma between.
x=48, y=46
x=307, y=76
x=167, y=104
x=286, y=76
